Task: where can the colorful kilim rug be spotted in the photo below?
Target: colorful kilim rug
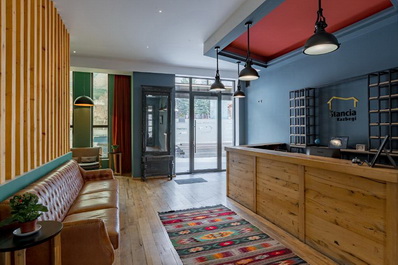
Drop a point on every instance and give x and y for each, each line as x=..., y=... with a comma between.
x=217, y=235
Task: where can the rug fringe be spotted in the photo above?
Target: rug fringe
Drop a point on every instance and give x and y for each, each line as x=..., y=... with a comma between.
x=190, y=209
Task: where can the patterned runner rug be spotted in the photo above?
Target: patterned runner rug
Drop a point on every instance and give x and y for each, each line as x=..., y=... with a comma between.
x=217, y=235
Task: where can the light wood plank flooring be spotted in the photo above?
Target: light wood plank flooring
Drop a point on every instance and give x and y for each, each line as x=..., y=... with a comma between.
x=143, y=239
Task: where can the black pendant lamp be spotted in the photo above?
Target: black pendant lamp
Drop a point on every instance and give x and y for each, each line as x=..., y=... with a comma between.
x=321, y=42
x=217, y=85
x=248, y=73
x=84, y=101
x=239, y=93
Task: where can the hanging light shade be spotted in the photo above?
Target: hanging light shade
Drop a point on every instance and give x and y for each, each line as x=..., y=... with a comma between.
x=321, y=42
x=217, y=85
x=248, y=73
x=84, y=101
x=239, y=93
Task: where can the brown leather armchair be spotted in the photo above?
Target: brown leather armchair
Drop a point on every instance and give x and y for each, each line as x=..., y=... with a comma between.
x=89, y=158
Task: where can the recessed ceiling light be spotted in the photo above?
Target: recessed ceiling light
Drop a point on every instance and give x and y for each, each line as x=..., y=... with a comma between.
x=160, y=11
x=147, y=47
x=74, y=51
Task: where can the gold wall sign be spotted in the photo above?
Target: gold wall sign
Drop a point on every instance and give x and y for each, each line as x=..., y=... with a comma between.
x=346, y=115
x=354, y=99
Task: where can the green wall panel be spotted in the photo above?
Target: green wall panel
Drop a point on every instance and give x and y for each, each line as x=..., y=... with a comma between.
x=82, y=116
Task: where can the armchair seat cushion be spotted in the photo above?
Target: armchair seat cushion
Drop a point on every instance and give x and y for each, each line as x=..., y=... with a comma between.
x=94, y=201
x=109, y=216
x=90, y=165
x=93, y=186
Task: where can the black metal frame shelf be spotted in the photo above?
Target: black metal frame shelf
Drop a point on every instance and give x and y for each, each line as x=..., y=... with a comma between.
x=302, y=117
x=382, y=109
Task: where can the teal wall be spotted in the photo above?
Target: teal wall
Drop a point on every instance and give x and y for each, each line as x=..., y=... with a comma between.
x=11, y=187
x=146, y=79
x=82, y=116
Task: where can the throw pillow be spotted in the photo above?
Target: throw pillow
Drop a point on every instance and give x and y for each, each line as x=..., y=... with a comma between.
x=89, y=159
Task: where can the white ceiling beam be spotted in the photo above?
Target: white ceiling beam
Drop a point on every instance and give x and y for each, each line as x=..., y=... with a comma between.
x=95, y=64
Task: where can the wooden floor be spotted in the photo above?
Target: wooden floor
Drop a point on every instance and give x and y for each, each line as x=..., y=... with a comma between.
x=144, y=240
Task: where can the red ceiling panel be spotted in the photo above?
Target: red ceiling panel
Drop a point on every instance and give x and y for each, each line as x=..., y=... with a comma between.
x=289, y=25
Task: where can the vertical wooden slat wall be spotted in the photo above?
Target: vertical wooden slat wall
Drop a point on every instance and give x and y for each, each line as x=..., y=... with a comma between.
x=2, y=89
x=34, y=86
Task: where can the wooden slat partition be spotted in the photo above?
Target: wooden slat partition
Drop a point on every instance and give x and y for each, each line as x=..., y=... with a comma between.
x=34, y=86
x=2, y=90
x=10, y=88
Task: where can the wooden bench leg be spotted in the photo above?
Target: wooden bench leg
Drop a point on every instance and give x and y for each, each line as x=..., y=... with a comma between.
x=5, y=258
x=56, y=250
x=19, y=257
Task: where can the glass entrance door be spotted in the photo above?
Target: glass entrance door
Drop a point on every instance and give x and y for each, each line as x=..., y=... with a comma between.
x=205, y=132
x=204, y=125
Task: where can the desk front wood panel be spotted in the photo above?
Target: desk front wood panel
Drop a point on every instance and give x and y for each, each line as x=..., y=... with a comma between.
x=345, y=216
x=278, y=193
x=347, y=212
x=241, y=179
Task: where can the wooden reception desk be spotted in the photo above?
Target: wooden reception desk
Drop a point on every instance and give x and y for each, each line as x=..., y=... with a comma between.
x=346, y=211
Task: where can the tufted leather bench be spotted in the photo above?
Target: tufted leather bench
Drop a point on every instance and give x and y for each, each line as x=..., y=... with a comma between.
x=87, y=204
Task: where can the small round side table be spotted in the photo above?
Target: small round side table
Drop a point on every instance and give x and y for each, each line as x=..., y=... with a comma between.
x=17, y=245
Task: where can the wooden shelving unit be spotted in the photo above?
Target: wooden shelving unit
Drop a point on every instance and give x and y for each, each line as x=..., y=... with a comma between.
x=302, y=117
x=383, y=109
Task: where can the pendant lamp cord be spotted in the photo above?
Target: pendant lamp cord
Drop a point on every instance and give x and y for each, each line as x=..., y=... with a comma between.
x=217, y=49
x=320, y=20
x=238, y=62
x=248, y=41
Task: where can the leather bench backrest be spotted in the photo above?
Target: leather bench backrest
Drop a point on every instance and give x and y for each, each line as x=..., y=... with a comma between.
x=58, y=190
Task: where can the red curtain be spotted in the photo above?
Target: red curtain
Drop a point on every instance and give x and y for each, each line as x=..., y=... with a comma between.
x=121, y=125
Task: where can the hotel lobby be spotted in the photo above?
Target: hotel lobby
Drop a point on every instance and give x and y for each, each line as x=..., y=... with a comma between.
x=198, y=132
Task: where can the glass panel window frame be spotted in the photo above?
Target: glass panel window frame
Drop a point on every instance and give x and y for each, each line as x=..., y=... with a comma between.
x=100, y=112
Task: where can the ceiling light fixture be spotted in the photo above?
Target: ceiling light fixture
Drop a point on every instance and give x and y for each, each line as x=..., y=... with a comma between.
x=248, y=73
x=239, y=93
x=321, y=42
x=83, y=101
x=217, y=85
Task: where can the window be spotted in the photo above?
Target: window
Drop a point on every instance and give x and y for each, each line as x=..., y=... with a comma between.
x=100, y=112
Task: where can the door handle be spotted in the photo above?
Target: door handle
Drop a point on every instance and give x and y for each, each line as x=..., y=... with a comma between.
x=194, y=136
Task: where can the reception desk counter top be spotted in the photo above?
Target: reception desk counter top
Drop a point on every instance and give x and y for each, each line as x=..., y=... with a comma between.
x=345, y=211
x=340, y=165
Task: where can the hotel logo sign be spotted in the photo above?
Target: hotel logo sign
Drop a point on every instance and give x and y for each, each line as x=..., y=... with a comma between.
x=344, y=115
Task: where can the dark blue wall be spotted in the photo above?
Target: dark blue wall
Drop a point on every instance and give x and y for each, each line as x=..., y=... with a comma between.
x=357, y=128
x=267, y=101
x=146, y=79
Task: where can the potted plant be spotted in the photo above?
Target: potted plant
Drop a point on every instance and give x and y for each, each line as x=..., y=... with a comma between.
x=114, y=148
x=25, y=209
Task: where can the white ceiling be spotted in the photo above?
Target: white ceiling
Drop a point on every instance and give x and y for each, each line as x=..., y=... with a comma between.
x=135, y=30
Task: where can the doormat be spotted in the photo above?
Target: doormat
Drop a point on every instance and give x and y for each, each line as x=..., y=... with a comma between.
x=189, y=181
x=216, y=235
